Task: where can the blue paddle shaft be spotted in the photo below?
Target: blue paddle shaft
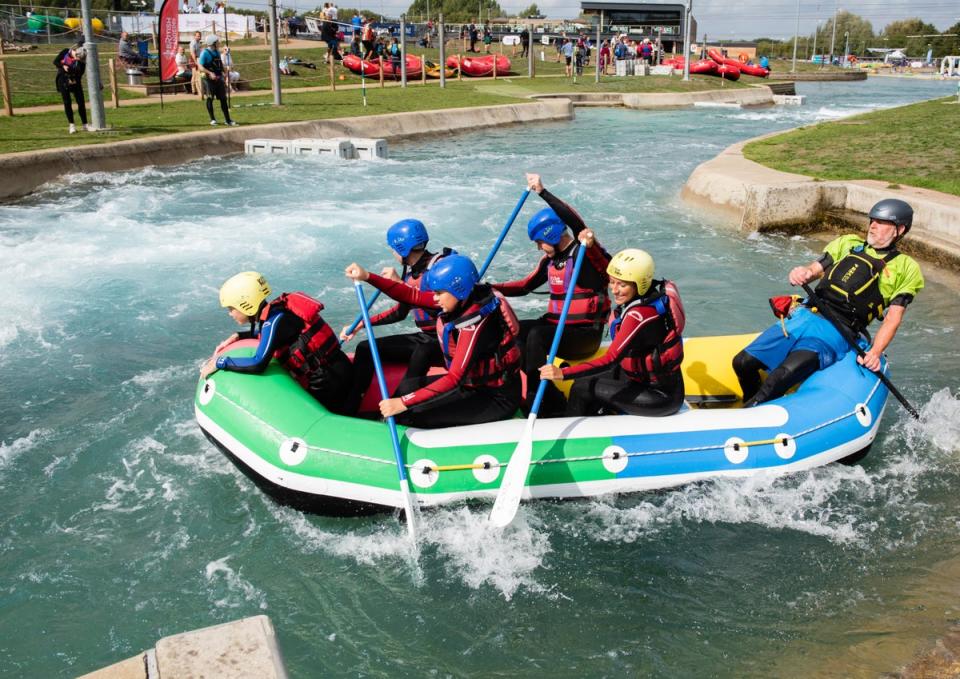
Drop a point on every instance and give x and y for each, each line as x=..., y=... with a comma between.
x=503, y=233
x=361, y=316
x=563, y=319
x=381, y=380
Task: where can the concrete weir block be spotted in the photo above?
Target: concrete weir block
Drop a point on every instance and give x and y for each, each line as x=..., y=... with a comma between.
x=335, y=148
x=369, y=149
x=244, y=649
x=256, y=146
x=789, y=99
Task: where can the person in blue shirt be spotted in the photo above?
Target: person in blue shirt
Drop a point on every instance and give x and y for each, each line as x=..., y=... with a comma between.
x=567, y=51
x=214, y=85
x=288, y=328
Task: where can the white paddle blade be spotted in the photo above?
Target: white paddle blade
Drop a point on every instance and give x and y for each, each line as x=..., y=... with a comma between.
x=514, y=479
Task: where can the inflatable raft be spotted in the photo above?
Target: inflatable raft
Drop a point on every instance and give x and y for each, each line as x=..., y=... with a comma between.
x=740, y=66
x=303, y=455
x=371, y=69
x=480, y=67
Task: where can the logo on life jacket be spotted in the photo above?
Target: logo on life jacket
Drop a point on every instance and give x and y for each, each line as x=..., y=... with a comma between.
x=851, y=287
x=315, y=346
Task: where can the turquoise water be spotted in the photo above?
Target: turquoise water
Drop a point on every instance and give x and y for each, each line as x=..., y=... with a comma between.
x=122, y=524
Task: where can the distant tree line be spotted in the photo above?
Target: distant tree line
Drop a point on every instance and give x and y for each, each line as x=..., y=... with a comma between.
x=860, y=34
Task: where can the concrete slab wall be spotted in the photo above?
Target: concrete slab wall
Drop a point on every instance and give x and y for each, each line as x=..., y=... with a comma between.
x=759, y=95
x=753, y=197
x=23, y=172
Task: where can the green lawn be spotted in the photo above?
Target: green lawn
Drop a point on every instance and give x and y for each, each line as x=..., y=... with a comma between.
x=49, y=130
x=915, y=145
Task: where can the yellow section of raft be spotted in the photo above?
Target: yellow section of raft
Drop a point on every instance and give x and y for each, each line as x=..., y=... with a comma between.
x=707, y=368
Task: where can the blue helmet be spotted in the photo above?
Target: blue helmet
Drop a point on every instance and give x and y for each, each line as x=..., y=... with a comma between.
x=407, y=235
x=546, y=226
x=455, y=274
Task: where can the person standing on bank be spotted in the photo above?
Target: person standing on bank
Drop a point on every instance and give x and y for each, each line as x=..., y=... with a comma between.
x=421, y=350
x=860, y=280
x=590, y=306
x=214, y=81
x=71, y=64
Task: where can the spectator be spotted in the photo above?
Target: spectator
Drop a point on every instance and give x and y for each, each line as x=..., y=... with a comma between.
x=232, y=76
x=474, y=35
x=357, y=23
x=646, y=51
x=524, y=42
x=203, y=7
x=330, y=11
x=127, y=55
x=214, y=84
x=356, y=46
x=395, y=56
x=487, y=38
x=196, y=47
x=284, y=66
x=184, y=72
x=220, y=8
x=368, y=38
x=71, y=65
x=567, y=50
x=328, y=33
x=560, y=41
x=578, y=56
x=604, y=56
x=186, y=7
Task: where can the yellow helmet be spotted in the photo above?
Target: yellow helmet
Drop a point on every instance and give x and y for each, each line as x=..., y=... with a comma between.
x=245, y=292
x=633, y=265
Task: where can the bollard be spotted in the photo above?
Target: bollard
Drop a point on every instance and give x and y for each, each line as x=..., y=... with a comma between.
x=381, y=69
x=333, y=82
x=459, y=67
x=115, y=94
x=5, y=88
x=423, y=69
x=494, y=66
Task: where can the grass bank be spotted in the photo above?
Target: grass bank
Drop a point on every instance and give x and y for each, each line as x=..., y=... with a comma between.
x=915, y=145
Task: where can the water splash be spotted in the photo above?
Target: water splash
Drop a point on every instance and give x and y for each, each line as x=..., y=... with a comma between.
x=22, y=445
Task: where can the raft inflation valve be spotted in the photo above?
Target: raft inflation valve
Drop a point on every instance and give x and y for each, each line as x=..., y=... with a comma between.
x=293, y=451
x=207, y=391
x=785, y=446
x=423, y=473
x=615, y=459
x=736, y=450
x=864, y=416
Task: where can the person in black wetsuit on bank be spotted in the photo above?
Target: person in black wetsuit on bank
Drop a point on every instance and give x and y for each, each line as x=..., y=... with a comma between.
x=290, y=329
x=589, y=308
x=418, y=350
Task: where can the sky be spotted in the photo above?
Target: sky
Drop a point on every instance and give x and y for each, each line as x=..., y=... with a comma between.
x=722, y=19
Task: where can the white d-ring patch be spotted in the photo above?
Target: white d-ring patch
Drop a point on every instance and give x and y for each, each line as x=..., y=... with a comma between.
x=786, y=446
x=423, y=474
x=615, y=459
x=207, y=391
x=736, y=450
x=293, y=451
x=864, y=416
x=488, y=469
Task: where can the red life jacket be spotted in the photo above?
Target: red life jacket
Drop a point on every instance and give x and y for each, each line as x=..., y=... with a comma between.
x=426, y=319
x=589, y=306
x=316, y=345
x=495, y=369
x=643, y=364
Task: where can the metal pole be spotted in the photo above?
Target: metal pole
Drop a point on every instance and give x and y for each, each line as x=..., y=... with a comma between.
x=403, y=50
x=443, y=51
x=597, y=60
x=846, y=47
x=274, y=52
x=97, y=116
x=686, y=41
x=796, y=32
x=833, y=38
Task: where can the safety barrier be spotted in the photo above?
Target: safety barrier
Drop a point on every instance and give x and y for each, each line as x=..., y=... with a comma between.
x=338, y=147
x=789, y=99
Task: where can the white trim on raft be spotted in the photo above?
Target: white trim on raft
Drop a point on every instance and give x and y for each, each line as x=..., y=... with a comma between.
x=608, y=426
x=300, y=482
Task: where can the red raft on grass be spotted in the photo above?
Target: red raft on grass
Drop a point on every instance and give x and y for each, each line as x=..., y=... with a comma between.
x=480, y=67
x=371, y=69
x=742, y=67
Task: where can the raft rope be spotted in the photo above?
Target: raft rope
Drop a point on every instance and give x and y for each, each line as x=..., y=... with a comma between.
x=428, y=469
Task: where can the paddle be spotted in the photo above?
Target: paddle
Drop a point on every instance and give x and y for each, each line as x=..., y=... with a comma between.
x=391, y=424
x=511, y=488
x=852, y=341
x=503, y=232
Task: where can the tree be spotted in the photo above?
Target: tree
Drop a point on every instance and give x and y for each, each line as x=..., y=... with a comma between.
x=859, y=30
x=895, y=35
x=531, y=11
x=456, y=11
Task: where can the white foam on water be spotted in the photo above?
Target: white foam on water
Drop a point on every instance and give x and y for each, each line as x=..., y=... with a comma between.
x=9, y=451
x=239, y=591
x=152, y=381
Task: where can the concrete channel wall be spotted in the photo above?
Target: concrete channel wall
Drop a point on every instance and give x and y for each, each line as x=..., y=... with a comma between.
x=23, y=172
x=756, y=198
x=754, y=96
